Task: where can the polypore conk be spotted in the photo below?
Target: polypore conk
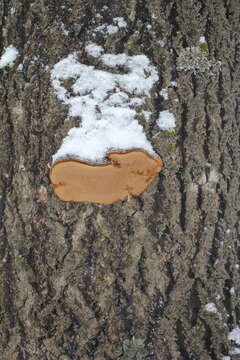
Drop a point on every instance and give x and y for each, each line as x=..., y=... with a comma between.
x=108, y=104
x=126, y=174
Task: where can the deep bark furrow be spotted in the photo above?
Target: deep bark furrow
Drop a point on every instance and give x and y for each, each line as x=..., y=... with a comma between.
x=181, y=341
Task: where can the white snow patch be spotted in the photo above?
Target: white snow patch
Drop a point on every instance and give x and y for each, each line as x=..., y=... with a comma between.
x=232, y=291
x=211, y=308
x=235, y=351
x=202, y=40
x=107, y=29
x=101, y=28
x=120, y=22
x=226, y=358
x=164, y=94
x=105, y=102
x=111, y=29
x=64, y=30
x=174, y=84
x=94, y=50
x=161, y=43
x=166, y=120
x=20, y=67
x=234, y=335
x=8, y=57
x=147, y=115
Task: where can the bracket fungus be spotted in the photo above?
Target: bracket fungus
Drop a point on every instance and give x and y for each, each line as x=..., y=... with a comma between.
x=108, y=103
x=125, y=174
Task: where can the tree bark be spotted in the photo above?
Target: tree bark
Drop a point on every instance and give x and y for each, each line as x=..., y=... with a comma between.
x=130, y=280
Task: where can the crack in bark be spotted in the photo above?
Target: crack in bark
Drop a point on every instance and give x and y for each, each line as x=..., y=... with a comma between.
x=140, y=277
x=208, y=340
x=158, y=306
x=181, y=341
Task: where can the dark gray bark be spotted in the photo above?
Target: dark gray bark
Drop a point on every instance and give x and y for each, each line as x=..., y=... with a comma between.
x=130, y=280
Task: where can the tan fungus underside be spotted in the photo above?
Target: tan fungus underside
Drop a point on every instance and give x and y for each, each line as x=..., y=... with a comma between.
x=126, y=174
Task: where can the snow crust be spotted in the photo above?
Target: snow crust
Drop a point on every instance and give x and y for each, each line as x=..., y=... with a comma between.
x=211, y=308
x=94, y=50
x=202, y=40
x=106, y=102
x=112, y=29
x=235, y=351
x=64, y=30
x=234, y=335
x=232, y=291
x=164, y=94
x=166, y=120
x=120, y=22
x=174, y=83
x=9, y=56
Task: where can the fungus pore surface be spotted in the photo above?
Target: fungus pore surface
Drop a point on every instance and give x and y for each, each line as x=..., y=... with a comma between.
x=126, y=173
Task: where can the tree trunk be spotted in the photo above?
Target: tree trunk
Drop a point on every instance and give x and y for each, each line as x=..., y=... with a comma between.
x=153, y=278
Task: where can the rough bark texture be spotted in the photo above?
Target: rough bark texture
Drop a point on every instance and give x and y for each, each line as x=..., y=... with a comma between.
x=129, y=280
